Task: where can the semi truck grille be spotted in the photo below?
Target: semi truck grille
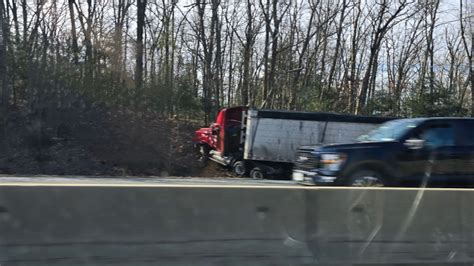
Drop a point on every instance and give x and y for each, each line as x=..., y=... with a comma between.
x=305, y=160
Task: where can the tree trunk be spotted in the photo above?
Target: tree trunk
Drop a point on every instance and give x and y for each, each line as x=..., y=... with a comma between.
x=274, y=51
x=207, y=48
x=471, y=75
x=295, y=83
x=338, y=45
x=361, y=102
x=466, y=49
x=141, y=7
x=268, y=29
x=4, y=91
x=218, y=55
x=24, y=9
x=247, y=54
x=75, y=49
x=430, y=44
x=231, y=69
x=353, y=61
x=322, y=92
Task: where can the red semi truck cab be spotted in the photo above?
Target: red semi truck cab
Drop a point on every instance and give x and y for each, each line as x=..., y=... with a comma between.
x=223, y=138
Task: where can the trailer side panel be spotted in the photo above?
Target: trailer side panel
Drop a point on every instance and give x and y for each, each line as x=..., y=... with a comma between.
x=276, y=138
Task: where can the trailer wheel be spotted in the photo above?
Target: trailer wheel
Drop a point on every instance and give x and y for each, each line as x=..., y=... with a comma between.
x=257, y=173
x=239, y=168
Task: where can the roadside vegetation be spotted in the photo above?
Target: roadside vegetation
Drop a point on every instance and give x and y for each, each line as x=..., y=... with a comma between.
x=100, y=81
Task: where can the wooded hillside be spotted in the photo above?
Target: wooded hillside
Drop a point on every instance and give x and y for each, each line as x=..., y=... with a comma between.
x=401, y=58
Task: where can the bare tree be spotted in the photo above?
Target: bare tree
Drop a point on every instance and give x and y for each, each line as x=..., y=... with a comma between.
x=400, y=62
x=275, y=18
x=120, y=14
x=250, y=37
x=302, y=55
x=384, y=19
x=430, y=12
x=87, y=25
x=339, y=29
x=353, y=77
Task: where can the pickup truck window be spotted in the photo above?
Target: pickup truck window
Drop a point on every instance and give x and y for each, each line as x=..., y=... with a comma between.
x=438, y=136
x=389, y=131
x=466, y=133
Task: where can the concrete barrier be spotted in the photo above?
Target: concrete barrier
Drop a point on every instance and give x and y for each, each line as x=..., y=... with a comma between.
x=391, y=226
x=67, y=225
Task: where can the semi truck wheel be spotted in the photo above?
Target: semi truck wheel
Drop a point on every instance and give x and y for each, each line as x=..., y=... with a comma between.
x=366, y=178
x=257, y=173
x=203, y=154
x=239, y=168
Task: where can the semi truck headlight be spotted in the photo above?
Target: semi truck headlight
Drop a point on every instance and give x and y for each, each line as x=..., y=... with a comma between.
x=332, y=161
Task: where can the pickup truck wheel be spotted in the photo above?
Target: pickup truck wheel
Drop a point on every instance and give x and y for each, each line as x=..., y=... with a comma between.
x=257, y=173
x=366, y=178
x=239, y=168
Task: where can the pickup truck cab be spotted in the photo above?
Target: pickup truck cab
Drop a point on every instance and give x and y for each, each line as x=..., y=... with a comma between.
x=399, y=152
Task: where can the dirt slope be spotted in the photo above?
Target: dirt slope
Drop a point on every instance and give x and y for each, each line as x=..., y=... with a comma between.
x=100, y=141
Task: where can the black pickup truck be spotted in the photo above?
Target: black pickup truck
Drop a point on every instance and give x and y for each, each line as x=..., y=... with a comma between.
x=420, y=151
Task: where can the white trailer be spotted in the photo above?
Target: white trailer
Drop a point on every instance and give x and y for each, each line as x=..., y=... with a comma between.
x=272, y=138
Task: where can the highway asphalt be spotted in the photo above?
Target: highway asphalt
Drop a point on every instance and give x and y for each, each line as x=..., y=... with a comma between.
x=135, y=181
x=140, y=181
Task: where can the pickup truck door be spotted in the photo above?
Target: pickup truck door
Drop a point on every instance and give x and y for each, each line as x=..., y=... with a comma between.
x=434, y=161
x=465, y=151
